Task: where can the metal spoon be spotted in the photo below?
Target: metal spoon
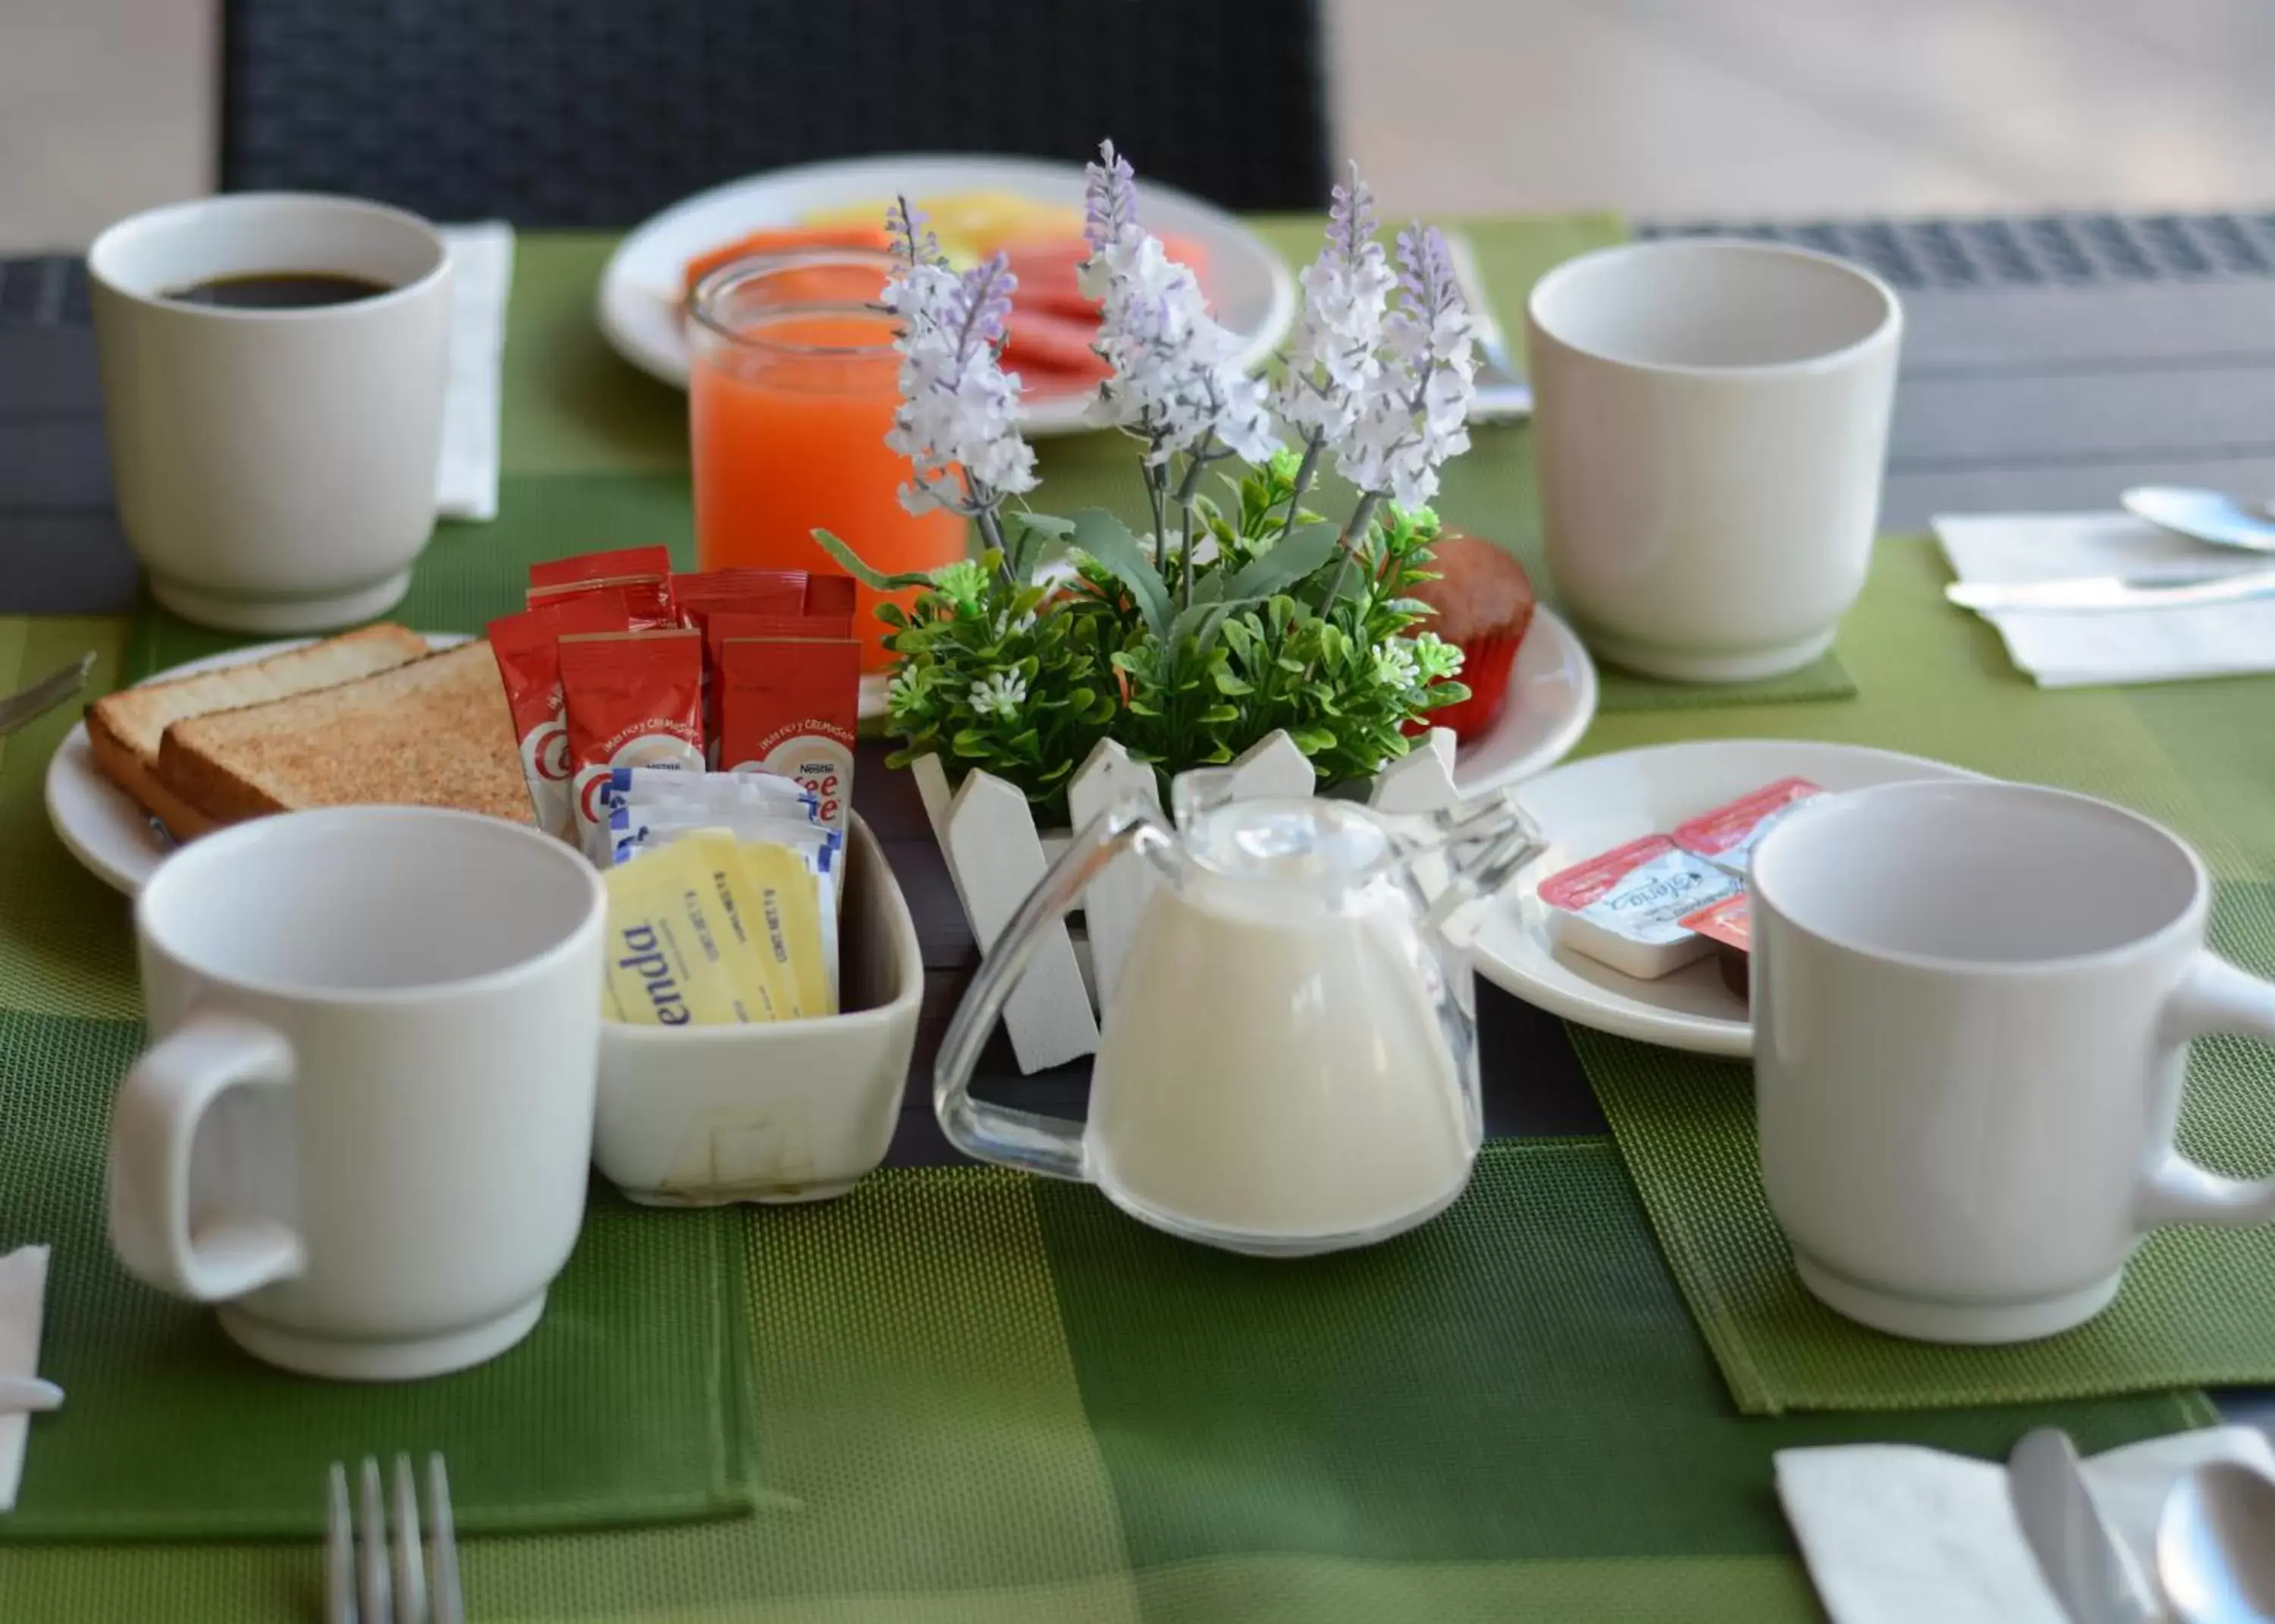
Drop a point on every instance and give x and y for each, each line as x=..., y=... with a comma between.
x=2202, y=515
x=2216, y=1545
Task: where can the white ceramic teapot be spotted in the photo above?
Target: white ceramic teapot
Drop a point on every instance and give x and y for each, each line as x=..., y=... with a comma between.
x=1288, y=1064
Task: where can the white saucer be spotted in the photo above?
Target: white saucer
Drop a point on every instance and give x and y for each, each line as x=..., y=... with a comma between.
x=100, y=823
x=1592, y=806
x=639, y=297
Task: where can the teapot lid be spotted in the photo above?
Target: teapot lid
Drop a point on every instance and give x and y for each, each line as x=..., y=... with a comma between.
x=1323, y=847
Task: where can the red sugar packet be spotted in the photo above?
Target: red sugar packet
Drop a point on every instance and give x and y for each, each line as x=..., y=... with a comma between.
x=790, y=702
x=632, y=699
x=641, y=576
x=527, y=647
x=831, y=595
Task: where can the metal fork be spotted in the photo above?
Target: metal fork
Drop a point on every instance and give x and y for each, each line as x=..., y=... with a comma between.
x=1503, y=393
x=367, y=1581
x=44, y=695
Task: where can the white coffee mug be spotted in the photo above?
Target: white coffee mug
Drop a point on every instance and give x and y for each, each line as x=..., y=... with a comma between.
x=1711, y=422
x=1972, y=1006
x=364, y=1125
x=275, y=468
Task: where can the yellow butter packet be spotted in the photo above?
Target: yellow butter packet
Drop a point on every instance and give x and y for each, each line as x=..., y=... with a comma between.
x=793, y=923
x=739, y=891
x=680, y=953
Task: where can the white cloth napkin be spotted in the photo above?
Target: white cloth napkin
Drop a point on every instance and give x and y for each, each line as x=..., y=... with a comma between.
x=1894, y=1534
x=23, y=1291
x=467, y=482
x=2130, y=645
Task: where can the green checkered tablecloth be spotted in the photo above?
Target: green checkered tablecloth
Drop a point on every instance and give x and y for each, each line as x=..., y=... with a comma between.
x=979, y=1396
x=987, y=1397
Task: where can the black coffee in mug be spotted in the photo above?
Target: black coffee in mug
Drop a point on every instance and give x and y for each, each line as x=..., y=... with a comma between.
x=279, y=291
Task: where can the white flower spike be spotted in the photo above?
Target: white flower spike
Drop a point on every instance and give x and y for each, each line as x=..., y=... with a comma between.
x=1175, y=380
x=1345, y=293
x=956, y=421
x=1414, y=413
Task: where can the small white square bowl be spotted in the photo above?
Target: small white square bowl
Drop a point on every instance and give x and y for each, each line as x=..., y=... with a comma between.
x=786, y=1111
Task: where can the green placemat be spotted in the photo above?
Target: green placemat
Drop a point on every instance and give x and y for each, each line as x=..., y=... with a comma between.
x=629, y=1403
x=2197, y=1306
x=1935, y=682
x=66, y=947
x=988, y=1397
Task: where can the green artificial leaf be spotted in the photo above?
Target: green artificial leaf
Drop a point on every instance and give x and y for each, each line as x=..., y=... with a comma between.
x=1108, y=540
x=1026, y=536
x=1311, y=741
x=1199, y=622
x=861, y=571
x=1293, y=560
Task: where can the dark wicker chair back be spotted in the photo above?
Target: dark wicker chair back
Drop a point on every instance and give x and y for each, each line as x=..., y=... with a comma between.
x=595, y=113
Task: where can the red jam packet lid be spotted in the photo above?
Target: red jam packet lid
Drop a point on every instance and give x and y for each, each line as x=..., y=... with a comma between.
x=1728, y=833
x=1583, y=883
x=1729, y=922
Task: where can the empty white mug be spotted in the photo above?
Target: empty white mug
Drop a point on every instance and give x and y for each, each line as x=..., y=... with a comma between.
x=275, y=468
x=1711, y=420
x=1972, y=1005
x=364, y=1123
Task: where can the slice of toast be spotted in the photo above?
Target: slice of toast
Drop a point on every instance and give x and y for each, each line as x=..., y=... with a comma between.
x=434, y=732
x=123, y=729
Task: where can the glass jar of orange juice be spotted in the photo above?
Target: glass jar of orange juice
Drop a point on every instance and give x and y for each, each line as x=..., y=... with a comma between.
x=792, y=384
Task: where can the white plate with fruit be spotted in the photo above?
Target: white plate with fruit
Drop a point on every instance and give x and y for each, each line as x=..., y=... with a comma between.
x=975, y=206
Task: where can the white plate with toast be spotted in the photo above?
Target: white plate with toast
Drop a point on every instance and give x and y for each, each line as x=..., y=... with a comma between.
x=100, y=823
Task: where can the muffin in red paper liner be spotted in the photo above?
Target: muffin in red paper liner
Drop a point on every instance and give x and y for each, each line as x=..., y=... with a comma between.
x=1483, y=600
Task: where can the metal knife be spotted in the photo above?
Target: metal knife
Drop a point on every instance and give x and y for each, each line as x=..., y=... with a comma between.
x=44, y=695
x=2092, y=594
x=2075, y=1551
x=1503, y=395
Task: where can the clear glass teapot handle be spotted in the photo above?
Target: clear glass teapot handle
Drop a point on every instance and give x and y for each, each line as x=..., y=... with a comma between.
x=1046, y=1145
x=1468, y=851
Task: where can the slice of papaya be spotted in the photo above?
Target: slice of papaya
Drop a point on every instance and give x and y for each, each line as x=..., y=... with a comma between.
x=785, y=240
x=1043, y=341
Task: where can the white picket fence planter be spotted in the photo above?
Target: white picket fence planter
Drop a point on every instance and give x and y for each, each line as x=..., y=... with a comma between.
x=995, y=855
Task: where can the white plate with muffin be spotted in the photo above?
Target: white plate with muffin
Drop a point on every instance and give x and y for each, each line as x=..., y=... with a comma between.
x=1532, y=685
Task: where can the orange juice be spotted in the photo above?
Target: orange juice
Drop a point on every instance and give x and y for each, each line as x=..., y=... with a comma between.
x=791, y=388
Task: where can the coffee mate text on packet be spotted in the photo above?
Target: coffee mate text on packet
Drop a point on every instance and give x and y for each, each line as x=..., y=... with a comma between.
x=527, y=648
x=790, y=704
x=632, y=699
